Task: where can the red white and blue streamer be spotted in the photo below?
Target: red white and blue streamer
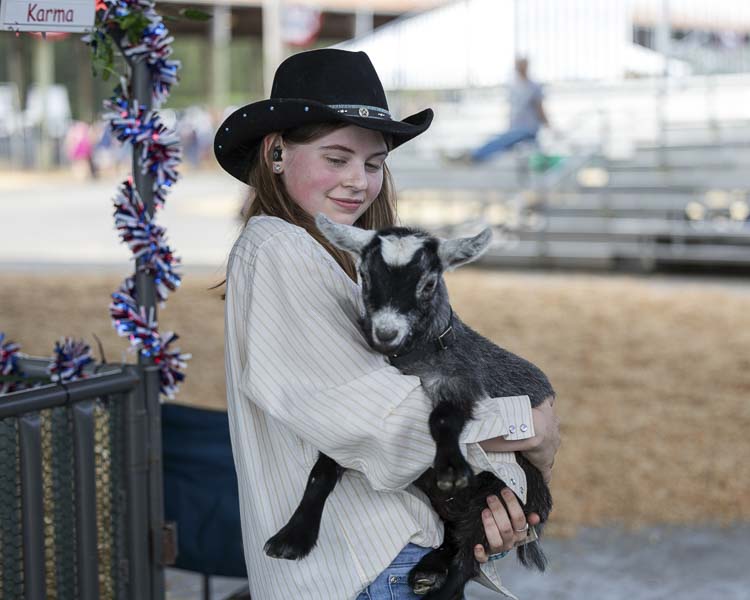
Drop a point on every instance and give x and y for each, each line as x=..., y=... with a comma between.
x=131, y=321
x=160, y=145
x=9, y=364
x=146, y=240
x=69, y=360
x=154, y=44
x=133, y=123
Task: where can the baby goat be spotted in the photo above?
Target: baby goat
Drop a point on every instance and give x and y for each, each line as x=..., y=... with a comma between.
x=408, y=317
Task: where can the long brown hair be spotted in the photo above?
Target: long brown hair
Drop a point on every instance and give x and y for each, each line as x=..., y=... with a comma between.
x=272, y=199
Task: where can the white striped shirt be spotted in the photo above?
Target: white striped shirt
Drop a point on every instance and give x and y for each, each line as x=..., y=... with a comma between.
x=302, y=379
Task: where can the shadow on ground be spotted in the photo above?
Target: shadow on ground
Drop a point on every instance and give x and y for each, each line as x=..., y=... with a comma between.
x=658, y=563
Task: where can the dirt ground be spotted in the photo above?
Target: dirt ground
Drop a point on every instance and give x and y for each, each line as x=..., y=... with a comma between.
x=652, y=376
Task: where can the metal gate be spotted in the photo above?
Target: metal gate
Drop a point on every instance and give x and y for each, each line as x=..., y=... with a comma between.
x=81, y=489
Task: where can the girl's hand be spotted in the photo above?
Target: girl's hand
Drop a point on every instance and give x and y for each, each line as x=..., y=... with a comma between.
x=540, y=449
x=547, y=438
x=504, y=524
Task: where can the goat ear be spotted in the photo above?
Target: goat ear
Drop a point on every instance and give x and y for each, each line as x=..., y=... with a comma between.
x=345, y=237
x=459, y=251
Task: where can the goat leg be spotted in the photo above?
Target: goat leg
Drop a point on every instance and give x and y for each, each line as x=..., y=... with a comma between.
x=431, y=571
x=452, y=472
x=462, y=568
x=298, y=537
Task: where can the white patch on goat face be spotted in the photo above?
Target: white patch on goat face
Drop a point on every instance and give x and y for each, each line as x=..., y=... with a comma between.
x=398, y=251
x=389, y=323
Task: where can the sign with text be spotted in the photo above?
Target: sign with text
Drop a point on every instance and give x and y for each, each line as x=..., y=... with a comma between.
x=47, y=15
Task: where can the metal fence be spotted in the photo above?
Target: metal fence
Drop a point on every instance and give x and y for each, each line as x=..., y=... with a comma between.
x=79, y=470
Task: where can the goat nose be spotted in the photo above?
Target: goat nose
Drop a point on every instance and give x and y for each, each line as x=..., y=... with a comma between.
x=386, y=335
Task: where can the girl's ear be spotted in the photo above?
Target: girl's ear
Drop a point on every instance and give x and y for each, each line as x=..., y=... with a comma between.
x=271, y=140
x=345, y=237
x=459, y=251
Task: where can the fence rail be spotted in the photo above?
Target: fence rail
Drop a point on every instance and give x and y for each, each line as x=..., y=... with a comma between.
x=76, y=478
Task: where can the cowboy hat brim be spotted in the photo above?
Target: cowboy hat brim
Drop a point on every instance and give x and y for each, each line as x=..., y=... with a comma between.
x=239, y=136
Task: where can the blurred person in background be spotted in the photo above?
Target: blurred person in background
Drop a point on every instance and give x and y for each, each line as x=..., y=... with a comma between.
x=527, y=117
x=110, y=155
x=301, y=379
x=79, y=149
x=196, y=131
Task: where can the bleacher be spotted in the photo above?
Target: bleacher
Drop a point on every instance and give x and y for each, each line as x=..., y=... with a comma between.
x=686, y=202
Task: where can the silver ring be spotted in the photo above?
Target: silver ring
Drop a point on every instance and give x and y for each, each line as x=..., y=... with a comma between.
x=498, y=556
x=522, y=530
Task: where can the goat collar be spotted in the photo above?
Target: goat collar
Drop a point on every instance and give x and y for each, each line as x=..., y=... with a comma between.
x=439, y=344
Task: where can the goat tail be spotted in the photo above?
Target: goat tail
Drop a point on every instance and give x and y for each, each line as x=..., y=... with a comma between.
x=539, y=500
x=531, y=555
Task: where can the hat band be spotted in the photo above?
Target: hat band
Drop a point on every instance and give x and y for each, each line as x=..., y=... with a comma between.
x=361, y=110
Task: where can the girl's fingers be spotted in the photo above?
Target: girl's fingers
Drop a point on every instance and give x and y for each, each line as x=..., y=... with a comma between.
x=504, y=527
x=517, y=518
x=504, y=524
x=494, y=539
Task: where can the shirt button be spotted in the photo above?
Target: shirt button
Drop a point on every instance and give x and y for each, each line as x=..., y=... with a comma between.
x=393, y=579
x=524, y=428
x=512, y=428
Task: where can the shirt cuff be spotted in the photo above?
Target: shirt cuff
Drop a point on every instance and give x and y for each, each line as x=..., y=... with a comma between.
x=509, y=417
x=495, y=417
x=517, y=413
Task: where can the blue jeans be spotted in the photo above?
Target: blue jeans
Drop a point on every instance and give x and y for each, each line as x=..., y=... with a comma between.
x=501, y=143
x=392, y=584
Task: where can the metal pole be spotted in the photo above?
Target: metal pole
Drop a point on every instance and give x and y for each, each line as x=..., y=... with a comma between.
x=32, y=494
x=85, y=478
x=44, y=68
x=18, y=76
x=155, y=481
x=136, y=474
x=146, y=293
x=663, y=43
x=146, y=290
x=221, y=35
x=364, y=21
x=273, y=47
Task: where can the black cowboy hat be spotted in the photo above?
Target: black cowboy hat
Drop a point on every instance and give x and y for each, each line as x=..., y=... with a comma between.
x=313, y=87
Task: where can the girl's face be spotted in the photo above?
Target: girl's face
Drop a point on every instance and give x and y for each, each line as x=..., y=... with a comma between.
x=339, y=174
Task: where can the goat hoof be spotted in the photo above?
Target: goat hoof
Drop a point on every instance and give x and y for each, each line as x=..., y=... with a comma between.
x=454, y=477
x=280, y=550
x=287, y=546
x=422, y=583
x=445, y=483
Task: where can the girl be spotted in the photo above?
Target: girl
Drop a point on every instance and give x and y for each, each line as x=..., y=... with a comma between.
x=300, y=376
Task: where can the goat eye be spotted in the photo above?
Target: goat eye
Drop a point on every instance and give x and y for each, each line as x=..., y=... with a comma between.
x=428, y=287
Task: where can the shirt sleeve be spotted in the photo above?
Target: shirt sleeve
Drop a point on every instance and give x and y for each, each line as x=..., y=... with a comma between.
x=538, y=93
x=308, y=366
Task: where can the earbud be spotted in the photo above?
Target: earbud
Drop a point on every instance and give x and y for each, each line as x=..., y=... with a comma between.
x=276, y=155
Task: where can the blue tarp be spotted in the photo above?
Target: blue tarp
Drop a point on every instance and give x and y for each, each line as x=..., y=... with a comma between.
x=200, y=490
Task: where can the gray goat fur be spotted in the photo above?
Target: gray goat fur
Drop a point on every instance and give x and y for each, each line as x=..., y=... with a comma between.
x=472, y=368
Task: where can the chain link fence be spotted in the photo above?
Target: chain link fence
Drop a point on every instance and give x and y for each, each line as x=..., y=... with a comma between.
x=74, y=491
